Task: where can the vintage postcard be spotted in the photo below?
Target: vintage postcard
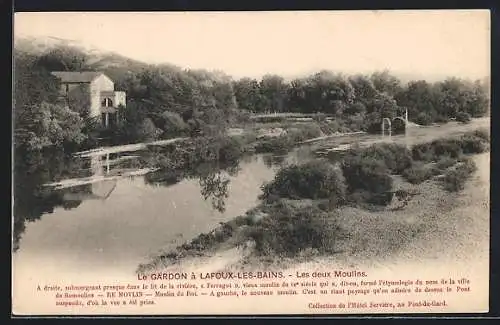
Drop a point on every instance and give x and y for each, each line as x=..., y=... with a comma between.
x=208, y=163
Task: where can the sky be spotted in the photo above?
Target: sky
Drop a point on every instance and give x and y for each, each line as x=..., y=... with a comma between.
x=432, y=43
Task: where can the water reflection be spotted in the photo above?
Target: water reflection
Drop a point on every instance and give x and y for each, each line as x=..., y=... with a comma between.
x=175, y=164
x=31, y=198
x=75, y=180
x=274, y=160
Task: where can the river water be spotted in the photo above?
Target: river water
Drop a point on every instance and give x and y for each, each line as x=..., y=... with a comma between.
x=101, y=218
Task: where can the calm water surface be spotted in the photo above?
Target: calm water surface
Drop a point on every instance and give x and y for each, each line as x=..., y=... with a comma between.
x=114, y=221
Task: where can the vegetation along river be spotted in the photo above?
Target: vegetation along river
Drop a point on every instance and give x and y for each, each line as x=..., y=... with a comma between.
x=115, y=211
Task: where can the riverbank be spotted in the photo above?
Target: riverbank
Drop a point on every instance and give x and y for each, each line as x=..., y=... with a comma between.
x=428, y=227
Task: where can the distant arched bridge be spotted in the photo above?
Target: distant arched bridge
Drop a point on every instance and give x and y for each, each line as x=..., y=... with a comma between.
x=396, y=125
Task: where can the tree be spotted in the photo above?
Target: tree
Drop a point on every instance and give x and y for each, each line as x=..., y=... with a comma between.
x=44, y=125
x=419, y=97
x=32, y=84
x=63, y=59
x=147, y=130
x=478, y=104
x=248, y=95
x=384, y=82
x=274, y=91
x=364, y=89
x=298, y=96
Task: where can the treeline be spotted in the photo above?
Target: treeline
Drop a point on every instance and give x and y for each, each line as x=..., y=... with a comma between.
x=162, y=102
x=367, y=98
x=165, y=101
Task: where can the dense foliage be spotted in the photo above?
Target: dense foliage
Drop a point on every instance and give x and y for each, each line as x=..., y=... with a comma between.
x=315, y=180
x=165, y=101
x=288, y=231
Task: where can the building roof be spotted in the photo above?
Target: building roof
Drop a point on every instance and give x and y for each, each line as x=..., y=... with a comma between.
x=76, y=77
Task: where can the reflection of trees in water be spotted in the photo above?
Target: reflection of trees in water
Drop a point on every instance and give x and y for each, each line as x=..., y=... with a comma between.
x=205, y=164
x=31, y=199
x=274, y=160
x=215, y=188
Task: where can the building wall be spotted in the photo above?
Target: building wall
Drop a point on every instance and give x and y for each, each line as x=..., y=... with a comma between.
x=101, y=83
x=120, y=99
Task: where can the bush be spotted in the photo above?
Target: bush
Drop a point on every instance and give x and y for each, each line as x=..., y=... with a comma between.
x=287, y=231
x=172, y=123
x=423, y=119
x=418, y=173
x=422, y=151
x=454, y=179
x=367, y=174
x=471, y=144
x=273, y=144
x=437, y=148
x=445, y=163
x=231, y=149
x=304, y=132
x=463, y=117
x=147, y=130
x=481, y=133
x=442, y=119
x=447, y=147
x=396, y=157
x=318, y=179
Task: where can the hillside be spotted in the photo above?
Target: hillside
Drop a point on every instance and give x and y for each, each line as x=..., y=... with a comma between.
x=116, y=66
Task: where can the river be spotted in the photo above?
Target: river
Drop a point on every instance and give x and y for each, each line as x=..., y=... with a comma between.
x=104, y=216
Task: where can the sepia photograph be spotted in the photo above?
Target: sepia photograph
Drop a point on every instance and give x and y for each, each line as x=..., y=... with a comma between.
x=292, y=162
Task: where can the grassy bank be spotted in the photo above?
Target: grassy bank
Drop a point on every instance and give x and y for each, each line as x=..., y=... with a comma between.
x=325, y=207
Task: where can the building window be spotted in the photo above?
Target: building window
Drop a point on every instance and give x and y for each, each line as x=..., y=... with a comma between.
x=107, y=102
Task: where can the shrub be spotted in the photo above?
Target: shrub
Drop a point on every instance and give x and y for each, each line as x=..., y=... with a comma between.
x=454, y=179
x=422, y=151
x=273, y=144
x=481, y=133
x=318, y=179
x=445, y=163
x=354, y=122
x=472, y=144
x=172, y=123
x=423, y=119
x=231, y=149
x=442, y=119
x=437, y=148
x=446, y=147
x=367, y=174
x=418, y=173
x=463, y=117
x=304, y=132
x=147, y=130
x=396, y=157
x=287, y=231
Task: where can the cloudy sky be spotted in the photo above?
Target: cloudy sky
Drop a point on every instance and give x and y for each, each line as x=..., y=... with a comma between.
x=433, y=43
